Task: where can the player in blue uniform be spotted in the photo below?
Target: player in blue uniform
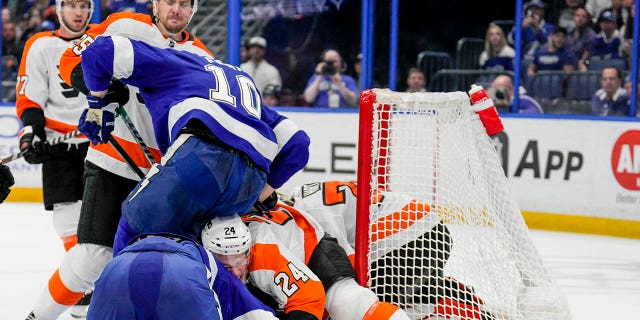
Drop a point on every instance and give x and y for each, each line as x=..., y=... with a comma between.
x=221, y=146
x=168, y=277
x=6, y=181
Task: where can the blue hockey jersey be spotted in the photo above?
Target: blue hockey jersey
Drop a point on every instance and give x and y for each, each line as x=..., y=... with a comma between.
x=157, y=277
x=179, y=86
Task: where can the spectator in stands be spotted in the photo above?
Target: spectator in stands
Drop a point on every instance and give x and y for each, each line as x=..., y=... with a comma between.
x=606, y=45
x=566, y=19
x=502, y=93
x=627, y=88
x=627, y=31
x=497, y=54
x=611, y=99
x=33, y=24
x=244, y=54
x=262, y=72
x=330, y=86
x=139, y=6
x=553, y=56
x=271, y=95
x=535, y=30
x=357, y=66
x=595, y=7
x=9, y=41
x=7, y=16
x=620, y=12
x=415, y=81
x=581, y=36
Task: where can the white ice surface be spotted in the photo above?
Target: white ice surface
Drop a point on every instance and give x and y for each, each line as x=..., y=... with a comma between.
x=600, y=275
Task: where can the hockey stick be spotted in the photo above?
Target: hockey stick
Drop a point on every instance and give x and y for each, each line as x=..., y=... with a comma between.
x=51, y=142
x=125, y=156
x=136, y=135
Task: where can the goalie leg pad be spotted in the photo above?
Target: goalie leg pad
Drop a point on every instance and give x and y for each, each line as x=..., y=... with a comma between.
x=330, y=262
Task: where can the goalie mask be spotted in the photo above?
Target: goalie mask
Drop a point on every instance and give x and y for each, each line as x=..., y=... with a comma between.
x=226, y=236
x=63, y=24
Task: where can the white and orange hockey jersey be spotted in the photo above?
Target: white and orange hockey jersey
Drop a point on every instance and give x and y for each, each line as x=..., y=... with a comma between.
x=139, y=27
x=333, y=205
x=43, y=88
x=282, y=245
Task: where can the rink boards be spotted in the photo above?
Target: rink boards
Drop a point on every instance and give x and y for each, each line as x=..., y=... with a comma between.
x=568, y=174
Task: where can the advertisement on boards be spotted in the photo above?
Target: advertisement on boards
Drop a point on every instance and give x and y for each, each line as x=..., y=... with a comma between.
x=559, y=166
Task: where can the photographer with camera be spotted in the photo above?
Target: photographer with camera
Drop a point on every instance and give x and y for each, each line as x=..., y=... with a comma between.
x=501, y=91
x=535, y=30
x=329, y=86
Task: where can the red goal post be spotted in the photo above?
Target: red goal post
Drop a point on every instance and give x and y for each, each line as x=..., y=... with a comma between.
x=468, y=253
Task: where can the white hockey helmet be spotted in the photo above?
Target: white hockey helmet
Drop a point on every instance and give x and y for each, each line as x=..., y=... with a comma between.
x=60, y=3
x=226, y=235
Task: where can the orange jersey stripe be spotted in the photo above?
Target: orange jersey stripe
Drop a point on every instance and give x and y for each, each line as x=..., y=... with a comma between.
x=72, y=56
x=303, y=293
x=310, y=237
x=132, y=149
x=59, y=126
x=399, y=220
x=69, y=241
x=380, y=311
x=60, y=293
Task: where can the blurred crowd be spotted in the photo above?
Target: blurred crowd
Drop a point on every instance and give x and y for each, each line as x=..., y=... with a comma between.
x=562, y=67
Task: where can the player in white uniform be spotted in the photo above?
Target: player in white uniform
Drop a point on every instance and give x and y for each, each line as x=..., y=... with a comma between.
x=289, y=230
x=108, y=178
x=50, y=108
x=333, y=205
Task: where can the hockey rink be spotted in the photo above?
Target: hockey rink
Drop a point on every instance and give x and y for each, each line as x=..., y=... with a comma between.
x=600, y=275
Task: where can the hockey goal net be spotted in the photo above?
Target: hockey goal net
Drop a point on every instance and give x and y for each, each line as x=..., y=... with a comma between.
x=470, y=256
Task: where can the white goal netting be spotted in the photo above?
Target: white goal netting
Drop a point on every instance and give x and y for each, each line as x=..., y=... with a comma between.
x=464, y=249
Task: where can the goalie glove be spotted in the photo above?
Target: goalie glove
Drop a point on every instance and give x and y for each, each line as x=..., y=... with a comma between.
x=6, y=181
x=97, y=121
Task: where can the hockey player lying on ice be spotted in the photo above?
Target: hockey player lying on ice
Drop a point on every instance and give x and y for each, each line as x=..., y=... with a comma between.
x=333, y=205
x=286, y=256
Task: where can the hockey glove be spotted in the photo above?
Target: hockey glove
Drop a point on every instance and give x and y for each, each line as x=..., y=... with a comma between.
x=33, y=145
x=6, y=181
x=267, y=205
x=97, y=121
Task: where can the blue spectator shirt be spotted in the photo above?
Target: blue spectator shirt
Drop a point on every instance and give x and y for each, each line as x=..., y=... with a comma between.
x=502, y=61
x=582, y=43
x=178, y=86
x=325, y=86
x=528, y=105
x=531, y=37
x=139, y=6
x=606, y=48
x=544, y=59
x=617, y=105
